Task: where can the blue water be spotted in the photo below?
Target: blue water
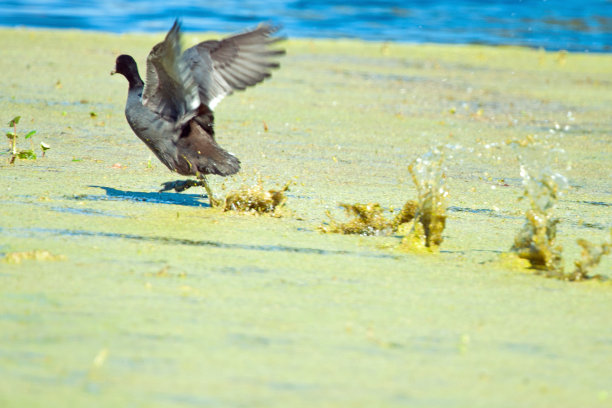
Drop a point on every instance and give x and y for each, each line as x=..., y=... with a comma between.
x=573, y=25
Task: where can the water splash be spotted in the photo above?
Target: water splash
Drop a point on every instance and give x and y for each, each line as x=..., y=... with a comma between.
x=424, y=218
x=535, y=242
x=428, y=176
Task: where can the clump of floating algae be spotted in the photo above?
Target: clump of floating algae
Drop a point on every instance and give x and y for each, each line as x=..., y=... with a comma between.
x=36, y=255
x=590, y=257
x=536, y=240
x=407, y=213
x=427, y=214
x=255, y=199
x=430, y=213
x=369, y=219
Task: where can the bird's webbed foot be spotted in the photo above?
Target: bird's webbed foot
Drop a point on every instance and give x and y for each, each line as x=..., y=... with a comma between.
x=180, y=185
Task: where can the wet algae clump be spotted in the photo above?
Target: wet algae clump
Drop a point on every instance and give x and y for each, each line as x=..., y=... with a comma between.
x=536, y=241
x=430, y=214
x=427, y=214
x=369, y=219
x=256, y=199
x=590, y=257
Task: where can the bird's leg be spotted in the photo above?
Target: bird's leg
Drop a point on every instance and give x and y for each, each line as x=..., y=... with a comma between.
x=202, y=182
x=180, y=185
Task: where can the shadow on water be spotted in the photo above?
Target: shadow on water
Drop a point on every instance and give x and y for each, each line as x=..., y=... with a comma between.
x=113, y=194
x=496, y=214
x=189, y=242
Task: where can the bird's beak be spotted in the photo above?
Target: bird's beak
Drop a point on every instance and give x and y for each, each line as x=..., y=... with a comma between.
x=113, y=72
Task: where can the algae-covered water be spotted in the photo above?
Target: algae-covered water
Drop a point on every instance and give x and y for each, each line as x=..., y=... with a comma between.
x=156, y=299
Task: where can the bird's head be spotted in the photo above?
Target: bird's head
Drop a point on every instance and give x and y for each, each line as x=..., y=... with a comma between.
x=126, y=66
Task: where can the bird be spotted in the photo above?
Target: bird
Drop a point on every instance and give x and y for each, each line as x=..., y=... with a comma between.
x=172, y=112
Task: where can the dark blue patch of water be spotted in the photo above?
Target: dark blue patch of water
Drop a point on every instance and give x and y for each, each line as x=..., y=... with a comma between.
x=573, y=25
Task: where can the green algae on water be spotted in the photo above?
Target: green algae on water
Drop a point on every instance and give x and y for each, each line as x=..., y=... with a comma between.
x=247, y=312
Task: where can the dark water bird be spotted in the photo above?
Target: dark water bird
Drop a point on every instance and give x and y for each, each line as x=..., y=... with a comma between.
x=172, y=113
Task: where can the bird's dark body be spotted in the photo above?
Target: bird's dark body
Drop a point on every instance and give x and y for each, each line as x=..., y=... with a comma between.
x=188, y=148
x=173, y=113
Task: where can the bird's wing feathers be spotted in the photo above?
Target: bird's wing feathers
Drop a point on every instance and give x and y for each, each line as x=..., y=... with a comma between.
x=234, y=63
x=170, y=88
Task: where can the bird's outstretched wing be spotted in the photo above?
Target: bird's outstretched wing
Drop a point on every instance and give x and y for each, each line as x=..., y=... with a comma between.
x=234, y=63
x=170, y=88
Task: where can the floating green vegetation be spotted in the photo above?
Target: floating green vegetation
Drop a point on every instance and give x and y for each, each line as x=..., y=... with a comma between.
x=24, y=154
x=256, y=199
x=430, y=215
x=35, y=255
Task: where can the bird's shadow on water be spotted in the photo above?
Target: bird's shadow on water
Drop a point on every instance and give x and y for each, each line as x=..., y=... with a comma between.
x=113, y=194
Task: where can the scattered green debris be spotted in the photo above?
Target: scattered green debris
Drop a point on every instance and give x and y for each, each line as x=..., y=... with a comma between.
x=44, y=147
x=256, y=200
x=164, y=272
x=24, y=154
x=12, y=136
x=35, y=255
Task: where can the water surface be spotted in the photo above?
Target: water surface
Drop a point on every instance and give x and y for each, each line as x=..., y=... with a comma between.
x=571, y=25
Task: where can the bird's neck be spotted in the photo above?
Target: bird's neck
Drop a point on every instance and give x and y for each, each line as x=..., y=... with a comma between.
x=135, y=81
x=133, y=77
x=134, y=97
